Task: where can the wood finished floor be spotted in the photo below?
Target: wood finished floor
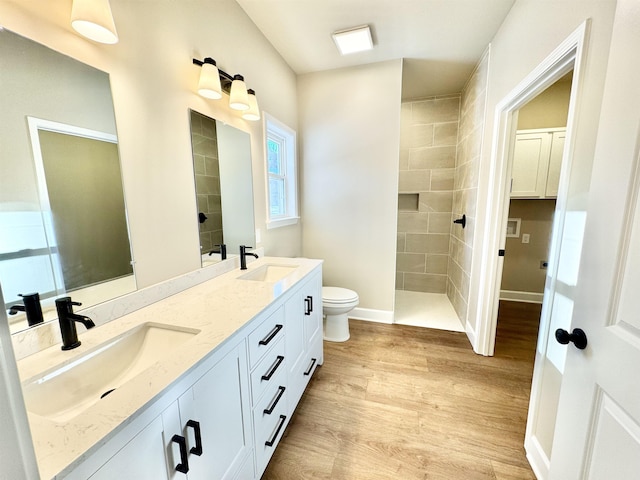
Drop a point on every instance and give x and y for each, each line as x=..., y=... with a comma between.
x=402, y=402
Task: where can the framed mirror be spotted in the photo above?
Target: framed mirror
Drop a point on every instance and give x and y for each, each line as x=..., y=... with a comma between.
x=63, y=225
x=223, y=185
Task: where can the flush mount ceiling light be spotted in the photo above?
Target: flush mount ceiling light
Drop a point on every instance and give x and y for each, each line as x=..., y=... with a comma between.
x=214, y=81
x=352, y=40
x=93, y=19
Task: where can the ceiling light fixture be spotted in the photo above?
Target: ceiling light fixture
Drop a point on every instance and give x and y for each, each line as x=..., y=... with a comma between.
x=352, y=40
x=93, y=19
x=214, y=81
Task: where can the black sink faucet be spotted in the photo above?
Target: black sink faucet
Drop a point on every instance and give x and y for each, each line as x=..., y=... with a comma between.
x=68, y=320
x=243, y=256
x=222, y=252
x=31, y=307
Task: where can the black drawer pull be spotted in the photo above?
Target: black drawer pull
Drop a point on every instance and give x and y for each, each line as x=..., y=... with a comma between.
x=313, y=362
x=269, y=410
x=310, y=303
x=197, y=450
x=307, y=306
x=272, y=334
x=269, y=443
x=183, y=466
x=273, y=368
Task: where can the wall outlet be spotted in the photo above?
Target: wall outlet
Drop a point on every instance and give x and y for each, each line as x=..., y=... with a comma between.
x=525, y=238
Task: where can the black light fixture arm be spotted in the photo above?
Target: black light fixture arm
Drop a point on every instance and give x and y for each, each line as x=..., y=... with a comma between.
x=225, y=79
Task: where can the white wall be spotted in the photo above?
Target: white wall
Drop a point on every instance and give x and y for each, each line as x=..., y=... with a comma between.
x=350, y=124
x=153, y=82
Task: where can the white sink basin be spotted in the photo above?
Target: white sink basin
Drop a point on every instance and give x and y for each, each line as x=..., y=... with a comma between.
x=64, y=391
x=269, y=273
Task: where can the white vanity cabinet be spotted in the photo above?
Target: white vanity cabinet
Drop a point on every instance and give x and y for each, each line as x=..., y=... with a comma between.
x=537, y=159
x=223, y=419
x=303, y=319
x=204, y=434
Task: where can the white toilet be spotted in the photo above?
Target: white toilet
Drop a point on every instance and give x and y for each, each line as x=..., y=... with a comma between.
x=336, y=304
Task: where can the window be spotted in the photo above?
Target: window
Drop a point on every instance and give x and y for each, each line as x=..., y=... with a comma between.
x=282, y=201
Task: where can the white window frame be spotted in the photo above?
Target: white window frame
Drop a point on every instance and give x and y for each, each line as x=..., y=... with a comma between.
x=288, y=139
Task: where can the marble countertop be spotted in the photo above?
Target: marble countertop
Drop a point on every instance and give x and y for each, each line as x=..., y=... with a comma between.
x=219, y=308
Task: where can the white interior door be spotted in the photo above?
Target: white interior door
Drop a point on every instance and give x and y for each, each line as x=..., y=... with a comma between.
x=597, y=433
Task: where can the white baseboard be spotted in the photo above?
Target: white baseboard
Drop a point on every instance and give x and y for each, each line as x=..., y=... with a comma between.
x=526, y=297
x=370, y=315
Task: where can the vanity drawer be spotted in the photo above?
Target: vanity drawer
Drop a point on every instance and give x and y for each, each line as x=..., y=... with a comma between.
x=267, y=439
x=266, y=407
x=266, y=372
x=267, y=334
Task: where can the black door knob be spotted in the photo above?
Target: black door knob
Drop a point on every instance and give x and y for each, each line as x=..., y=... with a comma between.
x=578, y=337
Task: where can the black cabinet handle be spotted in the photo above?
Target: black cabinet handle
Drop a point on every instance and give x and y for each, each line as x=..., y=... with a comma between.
x=313, y=362
x=197, y=450
x=308, y=302
x=307, y=306
x=272, y=334
x=269, y=443
x=269, y=410
x=183, y=466
x=267, y=376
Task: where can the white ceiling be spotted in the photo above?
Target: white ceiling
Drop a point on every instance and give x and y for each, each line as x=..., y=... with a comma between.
x=440, y=40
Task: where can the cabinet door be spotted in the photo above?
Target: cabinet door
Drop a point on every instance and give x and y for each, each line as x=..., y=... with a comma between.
x=312, y=292
x=219, y=402
x=141, y=459
x=530, y=164
x=555, y=164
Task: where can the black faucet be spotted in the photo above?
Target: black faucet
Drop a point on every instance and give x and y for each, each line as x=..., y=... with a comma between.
x=222, y=252
x=31, y=307
x=243, y=256
x=68, y=320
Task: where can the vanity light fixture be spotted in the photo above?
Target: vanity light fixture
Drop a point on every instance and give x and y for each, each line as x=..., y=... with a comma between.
x=239, y=97
x=209, y=83
x=93, y=19
x=352, y=40
x=253, y=113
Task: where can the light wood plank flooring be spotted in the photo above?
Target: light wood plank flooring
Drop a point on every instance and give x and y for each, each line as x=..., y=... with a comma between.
x=403, y=402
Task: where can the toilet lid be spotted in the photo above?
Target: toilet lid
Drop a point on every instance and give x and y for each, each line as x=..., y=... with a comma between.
x=338, y=295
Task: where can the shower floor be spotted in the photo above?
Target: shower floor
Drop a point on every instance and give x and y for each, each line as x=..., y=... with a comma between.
x=429, y=310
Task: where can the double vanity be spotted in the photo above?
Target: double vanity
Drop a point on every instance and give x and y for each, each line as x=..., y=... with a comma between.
x=201, y=384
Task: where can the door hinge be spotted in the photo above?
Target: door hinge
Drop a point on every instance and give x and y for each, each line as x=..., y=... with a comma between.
x=501, y=252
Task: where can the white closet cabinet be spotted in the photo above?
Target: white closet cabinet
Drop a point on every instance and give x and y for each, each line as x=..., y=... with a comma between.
x=537, y=160
x=205, y=434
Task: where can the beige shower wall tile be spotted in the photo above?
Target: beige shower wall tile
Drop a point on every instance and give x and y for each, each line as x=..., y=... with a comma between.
x=420, y=136
x=436, y=110
x=404, y=158
x=425, y=282
x=445, y=133
x=411, y=262
x=440, y=222
x=442, y=179
x=432, y=157
x=427, y=243
x=400, y=242
x=414, y=180
x=436, y=201
x=413, y=222
x=399, y=281
x=437, y=264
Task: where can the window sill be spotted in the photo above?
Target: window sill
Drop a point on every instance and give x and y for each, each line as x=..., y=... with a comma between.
x=282, y=222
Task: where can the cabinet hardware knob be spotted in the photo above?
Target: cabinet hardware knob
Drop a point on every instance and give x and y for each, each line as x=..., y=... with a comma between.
x=269, y=443
x=183, y=466
x=267, y=376
x=269, y=410
x=274, y=331
x=197, y=450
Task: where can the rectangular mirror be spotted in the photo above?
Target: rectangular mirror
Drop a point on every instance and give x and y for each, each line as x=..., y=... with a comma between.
x=63, y=226
x=224, y=186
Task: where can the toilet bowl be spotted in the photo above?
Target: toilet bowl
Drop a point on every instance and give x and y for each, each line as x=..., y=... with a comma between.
x=336, y=304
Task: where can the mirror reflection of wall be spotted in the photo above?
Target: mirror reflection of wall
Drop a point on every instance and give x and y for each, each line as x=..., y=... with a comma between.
x=224, y=186
x=45, y=84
